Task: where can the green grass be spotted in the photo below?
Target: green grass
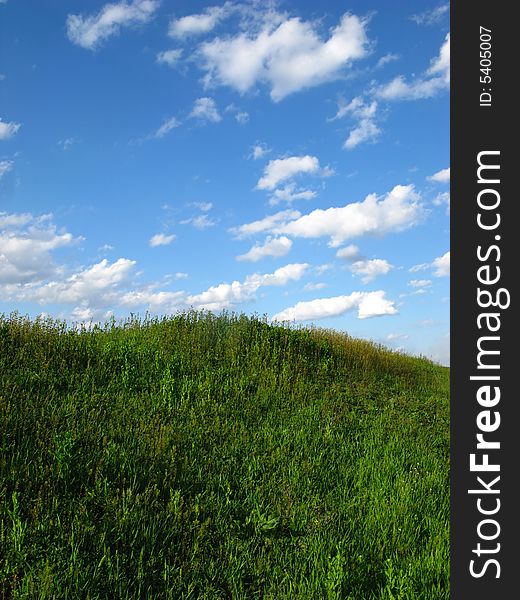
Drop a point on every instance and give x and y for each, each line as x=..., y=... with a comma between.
x=212, y=457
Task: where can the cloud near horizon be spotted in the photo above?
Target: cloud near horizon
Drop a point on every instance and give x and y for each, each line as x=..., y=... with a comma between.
x=368, y=304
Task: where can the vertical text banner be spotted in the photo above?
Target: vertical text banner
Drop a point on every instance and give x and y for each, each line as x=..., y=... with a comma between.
x=485, y=421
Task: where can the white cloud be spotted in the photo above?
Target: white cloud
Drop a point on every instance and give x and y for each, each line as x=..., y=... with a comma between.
x=366, y=129
x=242, y=117
x=368, y=304
x=168, y=301
x=225, y=295
x=205, y=109
x=199, y=222
x=289, y=193
x=323, y=268
x=169, y=57
x=97, y=285
x=181, y=275
x=26, y=246
x=265, y=224
x=419, y=283
x=5, y=167
x=272, y=247
x=387, y=58
x=282, y=169
x=435, y=80
x=7, y=130
x=198, y=24
x=166, y=127
x=431, y=17
x=89, y=31
x=367, y=269
x=370, y=269
x=311, y=287
x=29, y=274
x=442, y=265
x=286, y=54
x=259, y=150
x=203, y=206
x=440, y=66
x=391, y=337
x=396, y=211
x=290, y=272
x=356, y=107
x=442, y=176
x=160, y=239
x=420, y=267
x=350, y=252
x=443, y=199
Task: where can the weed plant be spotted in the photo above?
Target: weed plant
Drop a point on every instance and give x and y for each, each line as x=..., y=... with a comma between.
x=219, y=457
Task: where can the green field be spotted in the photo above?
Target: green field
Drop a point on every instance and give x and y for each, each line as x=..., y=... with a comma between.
x=203, y=456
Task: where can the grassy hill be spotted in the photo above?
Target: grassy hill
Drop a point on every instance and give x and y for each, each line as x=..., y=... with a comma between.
x=203, y=456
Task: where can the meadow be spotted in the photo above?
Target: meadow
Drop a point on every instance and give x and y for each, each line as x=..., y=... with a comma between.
x=203, y=456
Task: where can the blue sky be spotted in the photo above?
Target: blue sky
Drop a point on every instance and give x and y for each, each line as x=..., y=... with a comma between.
x=280, y=158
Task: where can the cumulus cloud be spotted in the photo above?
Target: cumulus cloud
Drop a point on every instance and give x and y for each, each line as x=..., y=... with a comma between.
x=435, y=79
x=394, y=212
x=442, y=176
x=28, y=273
x=217, y=297
x=266, y=224
x=442, y=265
x=366, y=129
x=7, y=130
x=97, y=285
x=287, y=54
x=368, y=270
x=282, y=169
x=350, y=252
x=289, y=193
x=169, y=57
x=387, y=58
x=201, y=23
x=26, y=246
x=225, y=295
x=160, y=239
x=90, y=31
x=206, y=110
x=271, y=247
x=368, y=304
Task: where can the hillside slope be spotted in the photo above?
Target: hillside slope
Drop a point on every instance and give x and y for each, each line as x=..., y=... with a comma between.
x=212, y=457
